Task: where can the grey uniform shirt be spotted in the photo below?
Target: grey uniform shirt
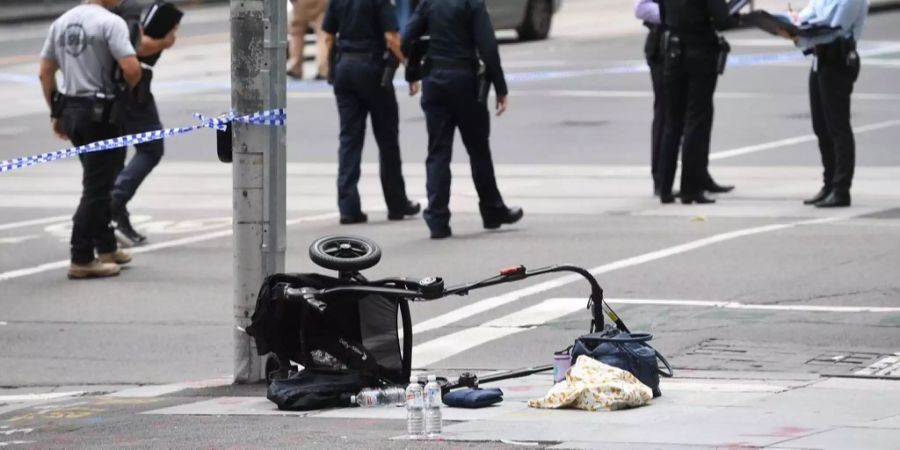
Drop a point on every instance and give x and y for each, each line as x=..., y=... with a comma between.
x=86, y=43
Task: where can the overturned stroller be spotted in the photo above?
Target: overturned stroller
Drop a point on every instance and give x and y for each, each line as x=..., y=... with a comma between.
x=349, y=333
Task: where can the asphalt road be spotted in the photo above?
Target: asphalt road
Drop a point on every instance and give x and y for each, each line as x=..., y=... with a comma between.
x=573, y=150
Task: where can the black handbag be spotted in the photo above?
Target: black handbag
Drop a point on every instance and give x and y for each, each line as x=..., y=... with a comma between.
x=627, y=351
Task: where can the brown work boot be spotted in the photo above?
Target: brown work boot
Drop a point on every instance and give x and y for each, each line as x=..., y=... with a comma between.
x=93, y=269
x=119, y=257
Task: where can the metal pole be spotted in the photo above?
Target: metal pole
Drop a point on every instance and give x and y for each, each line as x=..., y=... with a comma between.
x=258, y=46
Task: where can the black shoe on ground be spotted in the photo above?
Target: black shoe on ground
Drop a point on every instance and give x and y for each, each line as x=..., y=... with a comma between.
x=356, y=218
x=508, y=217
x=715, y=188
x=441, y=233
x=126, y=233
x=821, y=195
x=412, y=208
x=835, y=200
x=666, y=197
x=700, y=198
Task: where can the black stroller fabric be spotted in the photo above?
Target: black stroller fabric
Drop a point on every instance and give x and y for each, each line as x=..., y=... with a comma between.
x=312, y=389
x=356, y=332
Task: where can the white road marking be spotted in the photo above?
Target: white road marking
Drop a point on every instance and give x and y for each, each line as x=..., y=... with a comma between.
x=157, y=391
x=751, y=306
x=5, y=276
x=794, y=140
x=887, y=366
x=38, y=397
x=18, y=239
x=500, y=300
x=455, y=343
x=28, y=223
x=452, y=344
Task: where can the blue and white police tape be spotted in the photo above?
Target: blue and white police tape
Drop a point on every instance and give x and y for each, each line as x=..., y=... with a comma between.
x=270, y=117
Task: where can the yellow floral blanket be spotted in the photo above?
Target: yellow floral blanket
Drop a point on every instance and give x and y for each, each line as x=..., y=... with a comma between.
x=592, y=386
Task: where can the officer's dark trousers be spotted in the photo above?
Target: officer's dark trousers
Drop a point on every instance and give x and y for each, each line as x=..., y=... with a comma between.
x=689, y=85
x=830, y=87
x=659, y=115
x=449, y=100
x=90, y=228
x=139, y=118
x=357, y=86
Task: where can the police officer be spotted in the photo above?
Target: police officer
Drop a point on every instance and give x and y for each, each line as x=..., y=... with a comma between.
x=141, y=115
x=86, y=43
x=366, y=42
x=648, y=12
x=693, y=54
x=453, y=96
x=835, y=69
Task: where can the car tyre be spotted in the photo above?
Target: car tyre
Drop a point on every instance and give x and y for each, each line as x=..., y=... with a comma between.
x=538, y=17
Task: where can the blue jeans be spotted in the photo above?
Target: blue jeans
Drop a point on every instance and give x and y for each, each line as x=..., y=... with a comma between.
x=139, y=118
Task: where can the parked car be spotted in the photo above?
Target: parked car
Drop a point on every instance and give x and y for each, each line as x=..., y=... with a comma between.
x=530, y=18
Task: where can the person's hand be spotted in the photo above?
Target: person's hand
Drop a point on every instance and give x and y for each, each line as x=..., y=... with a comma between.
x=169, y=39
x=502, y=104
x=783, y=33
x=413, y=88
x=58, y=129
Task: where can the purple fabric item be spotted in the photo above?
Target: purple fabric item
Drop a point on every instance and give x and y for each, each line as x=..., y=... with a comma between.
x=647, y=10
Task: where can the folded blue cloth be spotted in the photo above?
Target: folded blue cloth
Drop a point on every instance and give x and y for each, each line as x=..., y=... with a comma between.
x=473, y=398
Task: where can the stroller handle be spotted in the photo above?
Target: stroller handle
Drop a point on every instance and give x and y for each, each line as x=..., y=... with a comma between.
x=431, y=288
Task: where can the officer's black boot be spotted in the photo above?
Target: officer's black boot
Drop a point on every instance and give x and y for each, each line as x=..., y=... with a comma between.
x=507, y=217
x=821, y=195
x=412, y=208
x=836, y=199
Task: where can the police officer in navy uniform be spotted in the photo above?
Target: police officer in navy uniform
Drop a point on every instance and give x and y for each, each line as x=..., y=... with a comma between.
x=460, y=33
x=86, y=44
x=691, y=69
x=648, y=11
x=141, y=115
x=362, y=34
x=835, y=69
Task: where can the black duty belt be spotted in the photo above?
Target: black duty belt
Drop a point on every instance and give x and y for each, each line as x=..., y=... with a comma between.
x=361, y=56
x=441, y=63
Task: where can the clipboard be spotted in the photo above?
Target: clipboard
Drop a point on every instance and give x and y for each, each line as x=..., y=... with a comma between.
x=772, y=24
x=161, y=18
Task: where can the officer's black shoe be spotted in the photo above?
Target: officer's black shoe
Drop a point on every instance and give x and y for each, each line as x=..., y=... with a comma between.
x=126, y=234
x=836, y=199
x=441, y=233
x=508, y=217
x=821, y=195
x=715, y=188
x=666, y=198
x=412, y=208
x=700, y=197
x=356, y=218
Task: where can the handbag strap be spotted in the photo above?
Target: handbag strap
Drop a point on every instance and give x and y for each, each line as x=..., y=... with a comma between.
x=633, y=337
x=662, y=359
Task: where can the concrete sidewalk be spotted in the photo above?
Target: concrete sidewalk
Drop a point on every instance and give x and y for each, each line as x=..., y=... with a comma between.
x=698, y=410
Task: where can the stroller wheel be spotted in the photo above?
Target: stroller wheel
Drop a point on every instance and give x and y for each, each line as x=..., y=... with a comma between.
x=345, y=253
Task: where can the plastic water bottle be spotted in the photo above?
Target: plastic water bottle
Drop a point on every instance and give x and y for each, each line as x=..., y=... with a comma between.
x=369, y=397
x=433, y=417
x=415, y=409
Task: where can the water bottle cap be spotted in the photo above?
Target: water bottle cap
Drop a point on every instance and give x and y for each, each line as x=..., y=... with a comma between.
x=432, y=377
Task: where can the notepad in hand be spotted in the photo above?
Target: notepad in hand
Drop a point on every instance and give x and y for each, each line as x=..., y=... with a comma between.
x=161, y=18
x=772, y=23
